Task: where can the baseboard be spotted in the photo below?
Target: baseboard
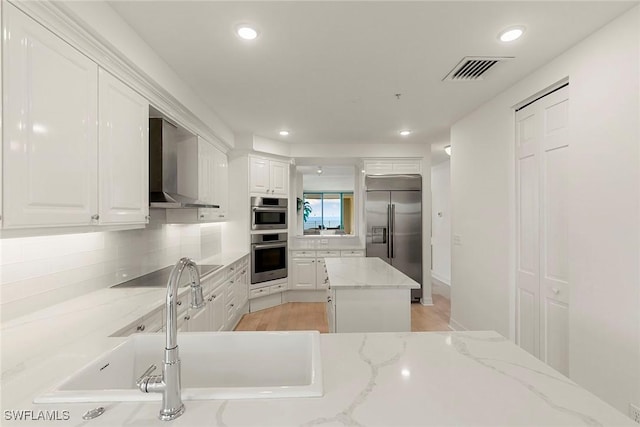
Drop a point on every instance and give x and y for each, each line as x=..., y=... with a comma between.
x=440, y=287
x=426, y=301
x=455, y=326
x=267, y=301
x=304, y=296
x=440, y=279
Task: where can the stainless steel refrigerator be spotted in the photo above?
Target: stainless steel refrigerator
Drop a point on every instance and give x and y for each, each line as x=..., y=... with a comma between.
x=393, y=215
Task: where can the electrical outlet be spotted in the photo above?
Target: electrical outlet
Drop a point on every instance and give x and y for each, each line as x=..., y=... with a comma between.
x=634, y=412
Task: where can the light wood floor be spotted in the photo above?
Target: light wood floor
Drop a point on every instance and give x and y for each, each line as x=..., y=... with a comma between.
x=312, y=316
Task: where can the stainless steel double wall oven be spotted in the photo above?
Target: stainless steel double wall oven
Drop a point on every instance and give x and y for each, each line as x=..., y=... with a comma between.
x=268, y=239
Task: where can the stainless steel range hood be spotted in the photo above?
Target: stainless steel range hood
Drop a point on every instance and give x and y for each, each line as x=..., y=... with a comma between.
x=164, y=188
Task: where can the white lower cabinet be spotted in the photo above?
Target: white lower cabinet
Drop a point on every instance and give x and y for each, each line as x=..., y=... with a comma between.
x=225, y=296
x=307, y=269
x=303, y=273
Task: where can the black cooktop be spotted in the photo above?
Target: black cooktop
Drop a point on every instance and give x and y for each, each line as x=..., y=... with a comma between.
x=159, y=278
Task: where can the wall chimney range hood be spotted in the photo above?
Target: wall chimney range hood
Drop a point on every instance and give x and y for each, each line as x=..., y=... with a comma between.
x=164, y=151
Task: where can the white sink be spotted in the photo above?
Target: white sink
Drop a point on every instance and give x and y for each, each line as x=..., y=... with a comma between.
x=215, y=365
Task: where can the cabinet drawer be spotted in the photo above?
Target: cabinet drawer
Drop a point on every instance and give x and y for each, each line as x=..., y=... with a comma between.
x=303, y=254
x=354, y=252
x=328, y=254
x=255, y=293
x=277, y=288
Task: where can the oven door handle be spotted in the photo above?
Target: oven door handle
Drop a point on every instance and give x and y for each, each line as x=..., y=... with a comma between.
x=273, y=245
x=263, y=209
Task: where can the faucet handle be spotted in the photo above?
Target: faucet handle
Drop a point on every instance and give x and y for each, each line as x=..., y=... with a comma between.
x=146, y=373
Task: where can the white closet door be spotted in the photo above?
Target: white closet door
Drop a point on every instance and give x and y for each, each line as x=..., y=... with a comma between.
x=528, y=234
x=554, y=268
x=50, y=130
x=542, y=282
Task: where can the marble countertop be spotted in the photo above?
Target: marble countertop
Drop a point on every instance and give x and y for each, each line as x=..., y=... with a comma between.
x=388, y=379
x=73, y=329
x=366, y=273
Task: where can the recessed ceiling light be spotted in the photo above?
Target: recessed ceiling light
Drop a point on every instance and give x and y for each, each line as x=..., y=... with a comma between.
x=511, y=34
x=405, y=132
x=284, y=132
x=246, y=32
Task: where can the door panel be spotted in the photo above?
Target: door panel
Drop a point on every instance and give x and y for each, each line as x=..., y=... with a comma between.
x=528, y=233
x=407, y=233
x=123, y=153
x=376, y=209
x=555, y=348
x=526, y=320
x=50, y=152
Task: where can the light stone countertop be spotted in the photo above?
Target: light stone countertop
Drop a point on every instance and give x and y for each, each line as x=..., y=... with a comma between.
x=391, y=379
x=76, y=329
x=366, y=273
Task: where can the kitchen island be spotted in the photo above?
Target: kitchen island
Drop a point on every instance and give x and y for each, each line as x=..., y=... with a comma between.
x=385, y=379
x=368, y=295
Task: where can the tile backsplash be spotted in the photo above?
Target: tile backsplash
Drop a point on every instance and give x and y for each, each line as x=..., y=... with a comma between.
x=36, y=272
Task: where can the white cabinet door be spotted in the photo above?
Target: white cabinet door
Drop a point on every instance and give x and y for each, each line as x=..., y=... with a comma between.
x=217, y=313
x=123, y=153
x=279, y=173
x=220, y=192
x=50, y=128
x=199, y=319
x=322, y=278
x=259, y=175
x=206, y=171
x=304, y=273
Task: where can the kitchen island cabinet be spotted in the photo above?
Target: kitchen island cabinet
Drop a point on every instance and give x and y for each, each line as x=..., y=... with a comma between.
x=367, y=295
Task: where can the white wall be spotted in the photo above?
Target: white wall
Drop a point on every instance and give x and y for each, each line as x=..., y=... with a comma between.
x=441, y=221
x=604, y=206
x=37, y=272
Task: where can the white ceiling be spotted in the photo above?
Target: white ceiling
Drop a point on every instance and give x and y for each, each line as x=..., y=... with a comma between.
x=328, y=71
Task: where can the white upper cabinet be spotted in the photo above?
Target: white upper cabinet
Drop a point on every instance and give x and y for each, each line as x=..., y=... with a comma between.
x=213, y=180
x=269, y=177
x=50, y=145
x=259, y=180
x=392, y=166
x=221, y=182
x=123, y=153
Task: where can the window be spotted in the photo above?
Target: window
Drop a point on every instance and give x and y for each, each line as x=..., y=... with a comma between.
x=329, y=211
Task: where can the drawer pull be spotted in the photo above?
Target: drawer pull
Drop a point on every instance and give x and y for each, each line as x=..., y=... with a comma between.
x=187, y=317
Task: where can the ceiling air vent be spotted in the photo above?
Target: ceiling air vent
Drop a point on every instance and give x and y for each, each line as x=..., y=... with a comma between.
x=474, y=67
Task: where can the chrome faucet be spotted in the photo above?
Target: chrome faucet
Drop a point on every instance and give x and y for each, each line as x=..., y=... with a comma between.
x=169, y=382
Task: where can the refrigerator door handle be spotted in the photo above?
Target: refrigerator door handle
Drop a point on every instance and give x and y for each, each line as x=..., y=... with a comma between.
x=393, y=227
x=389, y=233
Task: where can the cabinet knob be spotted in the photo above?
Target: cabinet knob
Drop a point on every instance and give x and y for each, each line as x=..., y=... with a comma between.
x=140, y=328
x=220, y=216
x=555, y=290
x=201, y=216
x=179, y=303
x=187, y=317
x=95, y=217
x=232, y=305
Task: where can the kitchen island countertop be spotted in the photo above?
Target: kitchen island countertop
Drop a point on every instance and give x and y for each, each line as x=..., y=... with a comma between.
x=391, y=379
x=367, y=273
